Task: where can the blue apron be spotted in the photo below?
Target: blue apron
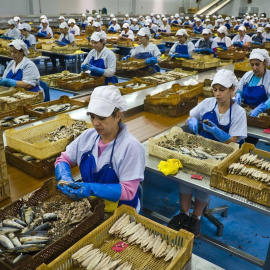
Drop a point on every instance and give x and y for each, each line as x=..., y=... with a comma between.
x=227, y=25
x=99, y=63
x=198, y=28
x=221, y=44
x=72, y=32
x=183, y=49
x=236, y=27
x=65, y=40
x=145, y=55
x=246, y=24
x=205, y=44
x=18, y=77
x=186, y=23
x=106, y=175
x=211, y=115
x=83, y=26
x=257, y=39
x=27, y=43
x=175, y=22
x=254, y=95
x=124, y=35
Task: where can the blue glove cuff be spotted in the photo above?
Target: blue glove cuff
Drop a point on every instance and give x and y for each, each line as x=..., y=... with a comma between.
x=63, y=172
x=267, y=103
x=111, y=192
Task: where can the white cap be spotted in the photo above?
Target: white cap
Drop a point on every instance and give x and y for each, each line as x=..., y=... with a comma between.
x=126, y=15
x=248, y=17
x=96, y=36
x=16, y=19
x=242, y=28
x=63, y=25
x=197, y=20
x=165, y=19
x=260, y=29
x=268, y=25
x=125, y=25
x=135, y=20
x=98, y=16
x=206, y=31
x=226, y=78
x=112, y=15
x=238, y=20
x=11, y=21
x=43, y=17
x=207, y=16
x=187, y=18
x=83, y=15
x=201, y=16
x=262, y=15
x=227, y=18
x=176, y=15
x=152, y=14
x=96, y=24
x=214, y=16
x=18, y=45
x=222, y=29
x=219, y=16
x=260, y=54
x=218, y=20
x=25, y=26
x=162, y=16
x=71, y=21
x=90, y=18
x=44, y=21
x=148, y=18
x=247, y=13
x=232, y=17
x=114, y=19
x=158, y=17
x=141, y=16
x=144, y=31
x=105, y=99
x=222, y=20
x=207, y=20
x=255, y=15
x=61, y=18
x=181, y=32
x=148, y=22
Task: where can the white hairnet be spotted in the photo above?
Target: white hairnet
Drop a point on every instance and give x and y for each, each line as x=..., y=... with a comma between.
x=148, y=22
x=63, y=25
x=222, y=29
x=260, y=54
x=260, y=29
x=44, y=21
x=242, y=28
x=71, y=21
x=125, y=25
x=61, y=18
x=181, y=32
x=144, y=31
x=268, y=25
x=16, y=19
x=25, y=26
x=96, y=24
x=43, y=17
x=226, y=78
x=206, y=31
x=97, y=36
x=18, y=45
x=11, y=21
x=98, y=16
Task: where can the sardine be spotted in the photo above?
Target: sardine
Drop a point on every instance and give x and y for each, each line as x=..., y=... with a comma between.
x=5, y=230
x=50, y=217
x=33, y=238
x=29, y=215
x=6, y=242
x=10, y=223
x=43, y=226
x=17, y=258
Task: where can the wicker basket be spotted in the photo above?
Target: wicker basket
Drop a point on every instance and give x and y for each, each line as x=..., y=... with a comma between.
x=171, y=63
x=206, y=88
x=4, y=182
x=18, y=139
x=47, y=46
x=140, y=260
x=131, y=63
x=65, y=49
x=49, y=192
x=231, y=54
x=266, y=45
x=131, y=73
x=242, y=66
x=202, y=166
x=171, y=111
x=36, y=98
x=79, y=85
x=172, y=95
x=126, y=89
x=52, y=79
x=202, y=62
x=253, y=190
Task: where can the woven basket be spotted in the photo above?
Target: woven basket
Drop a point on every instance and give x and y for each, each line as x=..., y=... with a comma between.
x=231, y=54
x=52, y=79
x=201, y=62
x=253, y=190
x=139, y=259
x=202, y=166
x=131, y=63
x=20, y=140
x=171, y=63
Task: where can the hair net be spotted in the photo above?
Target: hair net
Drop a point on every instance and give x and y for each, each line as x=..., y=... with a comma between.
x=11, y=21
x=260, y=54
x=206, y=31
x=97, y=36
x=63, y=25
x=242, y=28
x=71, y=21
x=144, y=32
x=18, y=45
x=222, y=29
x=181, y=32
x=226, y=78
x=25, y=26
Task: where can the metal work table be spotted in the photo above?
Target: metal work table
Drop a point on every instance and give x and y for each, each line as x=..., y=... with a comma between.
x=198, y=263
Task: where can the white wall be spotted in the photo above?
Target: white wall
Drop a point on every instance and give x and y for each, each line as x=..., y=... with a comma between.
x=14, y=7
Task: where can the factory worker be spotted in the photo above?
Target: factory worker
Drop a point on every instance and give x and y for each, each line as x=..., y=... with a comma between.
x=198, y=28
x=97, y=27
x=254, y=87
x=266, y=34
x=238, y=24
x=99, y=20
x=201, y=18
x=84, y=21
x=90, y=21
x=146, y=50
x=12, y=32
x=45, y=31
x=228, y=23
x=101, y=61
x=153, y=18
x=165, y=28
x=158, y=21
x=206, y=45
x=141, y=21
x=66, y=37
x=17, y=20
x=222, y=40
x=111, y=160
x=29, y=39
x=126, y=34
x=61, y=20
x=207, y=24
x=152, y=27
x=257, y=39
x=183, y=48
x=73, y=29
x=21, y=71
x=176, y=21
x=233, y=20
x=135, y=26
x=217, y=24
x=127, y=19
x=228, y=123
x=187, y=22
x=43, y=17
x=114, y=27
x=242, y=39
x=247, y=22
x=111, y=17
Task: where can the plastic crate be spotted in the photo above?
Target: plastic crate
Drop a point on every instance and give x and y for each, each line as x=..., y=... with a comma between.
x=202, y=166
x=141, y=260
x=49, y=192
x=171, y=111
x=253, y=190
x=19, y=139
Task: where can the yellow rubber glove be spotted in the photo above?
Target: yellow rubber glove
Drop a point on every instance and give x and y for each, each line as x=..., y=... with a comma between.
x=171, y=166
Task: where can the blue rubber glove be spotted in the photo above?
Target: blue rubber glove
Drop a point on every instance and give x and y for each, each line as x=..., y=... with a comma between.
x=8, y=82
x=83, y=67
x=99, y=71
x=111, y=192
x=172, y=55
x=223, y=48
x=193, y=124
x=157, y=36
x=268, y=39
x=151, y=60
x=5, y=37
x=63, y=172
x=208, y=50
x=180, y=55
x=125, y=58
x=218, y=133
x=41, y=34
x=61, y=43
x=39, y=27
x=259, y=109
x=238, y=98
x=196, y=32
x=112, y=30
x=198, y=50
x=87, y=67
x=238, y=44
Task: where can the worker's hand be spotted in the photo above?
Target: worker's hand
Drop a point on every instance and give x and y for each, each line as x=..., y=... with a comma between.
x=125, y=58
x=63, y=172
x=223, y=48
x=98, y=71
x=5, y=37
x=172, y=55
x=60, y=43
x=85, y=67
x=193, y=124
x=238, y=44
x=198, y=50
x=76, y=190
x=8, y=82
x=112, y=30
x=259, y=109
x=196, y=32
x=208, y=50
x=238, y=98
x=151, y=60
x=218, y=133
x=39, y=34
x=181, y=55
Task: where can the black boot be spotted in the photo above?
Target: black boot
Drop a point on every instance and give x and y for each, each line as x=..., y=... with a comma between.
x=194, y=226
x=179, y=222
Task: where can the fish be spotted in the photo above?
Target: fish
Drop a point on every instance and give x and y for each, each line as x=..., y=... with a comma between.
x=20, y=222
x=82, y=251
x=6, y=242
x=11, y=223
x=28, y=248
x=16, y=242
x=33, y=238
x=6, y=119
x=43, y=226
x=17, y=258
x=29, y=215
x=50, y=216
x=5, y=230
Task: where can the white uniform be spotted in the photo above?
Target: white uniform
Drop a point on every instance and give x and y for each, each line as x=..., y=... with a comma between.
x=158, y=22
x=128, y=159
x=129, y=34
x=31, y=38
x=115, y=27
x=30, y=71
x=245, y=39
x=127, y=21
x=104, y=35
x=141, y=22
x=134, y=27
x=75, y=30
x=265, y=81
x=238, y=116
x=225, y=40
x=208, y=26
x=213, y=45
x=167, y=28
x=190, y=45
x=68, y=36
x=154, y=27
x=151, y=48
x=101, y=22
x=13, y=33
x=265, y=36
x=48, y=31
x=108, y=57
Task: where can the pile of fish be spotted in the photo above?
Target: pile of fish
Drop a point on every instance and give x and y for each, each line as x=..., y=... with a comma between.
x=55, y=108
x=92, y=258
x=240, y=168
x=11, y=120
x=30, y=158
x=36, y=226
x=85, y=80
x=136, y=233
x=15, y=97
x=192, y=149
x=160, y=78
x=133, y=85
